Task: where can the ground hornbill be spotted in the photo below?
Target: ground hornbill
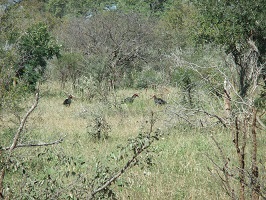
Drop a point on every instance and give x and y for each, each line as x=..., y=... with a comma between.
x=130, y=99
x=68, y=100
x=159, y=101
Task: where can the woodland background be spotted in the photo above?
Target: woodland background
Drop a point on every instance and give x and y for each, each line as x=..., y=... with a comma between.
x=205, y=58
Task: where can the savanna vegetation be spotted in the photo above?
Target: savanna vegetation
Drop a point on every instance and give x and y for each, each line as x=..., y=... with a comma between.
x=206, y=59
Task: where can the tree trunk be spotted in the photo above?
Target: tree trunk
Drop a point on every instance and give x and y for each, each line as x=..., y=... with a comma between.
x=227, y=99
x=255, y=171
x=241, y=157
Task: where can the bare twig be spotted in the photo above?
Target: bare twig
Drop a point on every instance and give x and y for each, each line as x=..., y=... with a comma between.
x=216, y=116
x=213, y=115
x=181, y=117
x=37, y=145
x=225, y=171
x=261, y=123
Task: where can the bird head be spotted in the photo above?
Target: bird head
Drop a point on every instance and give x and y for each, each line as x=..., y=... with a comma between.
x=71, y=96
x=135, y=95
x=154, y=97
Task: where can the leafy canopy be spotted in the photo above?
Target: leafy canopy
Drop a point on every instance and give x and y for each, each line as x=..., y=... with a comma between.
x=35, y=47
x=230, y=22
x=238, y=26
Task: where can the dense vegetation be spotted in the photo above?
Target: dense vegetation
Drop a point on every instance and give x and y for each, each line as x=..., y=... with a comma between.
x=205, y=58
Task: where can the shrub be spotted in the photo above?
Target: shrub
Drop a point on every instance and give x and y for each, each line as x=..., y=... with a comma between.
x=99, y=129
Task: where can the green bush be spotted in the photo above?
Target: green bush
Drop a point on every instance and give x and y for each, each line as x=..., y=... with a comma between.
x=99, y=129
x=148, y=77
x=36, y=46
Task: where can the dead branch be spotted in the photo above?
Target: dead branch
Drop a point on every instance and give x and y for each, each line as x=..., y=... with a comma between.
x=1, y=183
x=241, y=160
x=22, y=123
x=37, y=145
x=261, y=123
x=225, y=170
x=250, y=176
x=213, y=115
x=180, y=116
x=217, y=117
x=255, y=170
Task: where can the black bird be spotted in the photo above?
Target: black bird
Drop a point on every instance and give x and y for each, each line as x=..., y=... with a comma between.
x=159, y=101
x=67, y=101
x=130, y=99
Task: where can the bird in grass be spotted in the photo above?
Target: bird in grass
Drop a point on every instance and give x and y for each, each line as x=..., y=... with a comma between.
x=68, y=100
x=159, y=101
x=130, y=99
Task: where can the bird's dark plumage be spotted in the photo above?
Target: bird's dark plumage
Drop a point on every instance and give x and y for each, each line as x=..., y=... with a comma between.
x=130, y=99
x=159, y=101
x=67, y=101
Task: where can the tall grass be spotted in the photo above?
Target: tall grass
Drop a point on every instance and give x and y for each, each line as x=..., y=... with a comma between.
x=179, y=167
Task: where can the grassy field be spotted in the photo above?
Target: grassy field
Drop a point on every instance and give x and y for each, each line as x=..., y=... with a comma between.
x=178, y=167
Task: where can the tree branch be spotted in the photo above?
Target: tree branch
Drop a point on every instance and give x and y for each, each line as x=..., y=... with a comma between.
x=225, y=170
x=127, y=165
x=255, y=170
x=15, y=141
x=37, y=145
x=22, y=123
x=261, y=123
x=213, y=115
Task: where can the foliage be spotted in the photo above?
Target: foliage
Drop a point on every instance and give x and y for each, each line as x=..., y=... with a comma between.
x=148, y=77
x=87, y=87
x=177, y=23
x=99, y=130
x=14, y=100
x=16, y=20
x=232, y=23
x=63, y=8
x=242, y=177
x=88, y=8
x=102, y=175
x=68, y=65
x=11, y=94
x=7, y=62
x=136, y=147
x=260, y=102
x=109, y=45
x=20, y=16
x=239, y=26
x=186, y=79
x=35, y=47
x=113, y=51
x=41, y=177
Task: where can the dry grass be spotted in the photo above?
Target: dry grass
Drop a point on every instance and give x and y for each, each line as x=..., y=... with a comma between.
x=180, y=162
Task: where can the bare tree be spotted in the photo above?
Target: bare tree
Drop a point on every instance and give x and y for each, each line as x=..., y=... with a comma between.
x=119, y=42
